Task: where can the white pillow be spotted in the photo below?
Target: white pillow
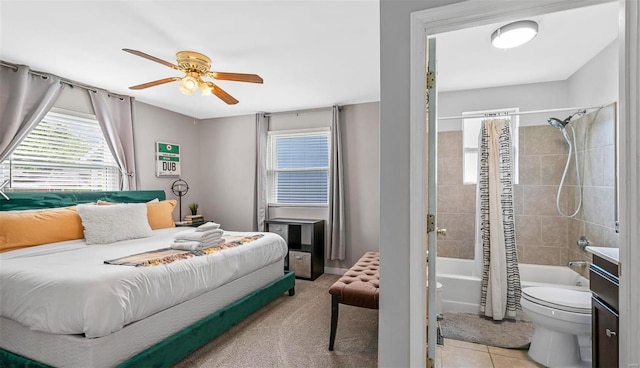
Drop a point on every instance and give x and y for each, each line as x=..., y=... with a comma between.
x=109, y=224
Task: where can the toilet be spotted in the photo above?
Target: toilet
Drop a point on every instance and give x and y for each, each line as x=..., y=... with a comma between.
x=562, y=321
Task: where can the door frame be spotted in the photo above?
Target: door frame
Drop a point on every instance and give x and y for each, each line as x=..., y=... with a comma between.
x=474, y=13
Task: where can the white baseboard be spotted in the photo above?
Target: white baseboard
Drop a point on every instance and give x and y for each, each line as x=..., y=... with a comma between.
x=335, y=271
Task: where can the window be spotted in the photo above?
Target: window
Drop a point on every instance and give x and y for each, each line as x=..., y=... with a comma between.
x=470, y=137
x=298, y=167
x=62, y=152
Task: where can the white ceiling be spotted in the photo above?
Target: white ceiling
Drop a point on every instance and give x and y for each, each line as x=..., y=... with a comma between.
x=565, y=42
x=309, y=53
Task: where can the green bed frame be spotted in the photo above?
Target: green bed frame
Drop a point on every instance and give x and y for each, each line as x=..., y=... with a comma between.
x=42, y=200
x=177, y=346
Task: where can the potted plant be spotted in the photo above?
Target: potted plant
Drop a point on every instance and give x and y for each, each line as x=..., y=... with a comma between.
x=194, y=208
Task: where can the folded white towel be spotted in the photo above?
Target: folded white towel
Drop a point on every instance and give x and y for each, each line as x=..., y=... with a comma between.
x=197, y=235
x=186, y=245
x=212, y=244
x=209, y=240
x=208, y=226
x=196, y=245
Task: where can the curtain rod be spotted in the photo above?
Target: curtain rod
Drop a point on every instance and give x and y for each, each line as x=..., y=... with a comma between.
x=296, y=112
x=62, y=80
x=521, y=113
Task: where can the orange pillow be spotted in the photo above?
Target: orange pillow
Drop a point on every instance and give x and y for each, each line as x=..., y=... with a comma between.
x=160, y=215
x=21, y=229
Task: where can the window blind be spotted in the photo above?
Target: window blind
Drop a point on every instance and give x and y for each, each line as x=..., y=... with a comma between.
x=298, y=168
x=62, y=152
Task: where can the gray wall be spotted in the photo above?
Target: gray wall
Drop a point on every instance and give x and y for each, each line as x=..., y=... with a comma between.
x=227, y=149
x=229, y=172
x=361, y=139
x=596, y=83
x=526, y=97
x=152, y=124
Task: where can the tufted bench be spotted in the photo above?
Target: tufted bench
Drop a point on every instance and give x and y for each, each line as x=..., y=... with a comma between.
x=359, y=287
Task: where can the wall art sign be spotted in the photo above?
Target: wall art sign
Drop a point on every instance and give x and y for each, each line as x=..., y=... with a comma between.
x=167, y=159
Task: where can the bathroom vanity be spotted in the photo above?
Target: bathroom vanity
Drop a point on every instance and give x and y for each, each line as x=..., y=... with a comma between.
x=604, y=280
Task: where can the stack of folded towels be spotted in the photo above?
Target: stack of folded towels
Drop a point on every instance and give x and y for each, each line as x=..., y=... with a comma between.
x=204, y=236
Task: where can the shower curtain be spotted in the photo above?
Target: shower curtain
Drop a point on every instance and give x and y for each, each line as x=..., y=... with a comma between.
x=500, y=294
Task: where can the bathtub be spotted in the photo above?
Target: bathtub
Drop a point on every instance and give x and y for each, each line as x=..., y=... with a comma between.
x=461, y=289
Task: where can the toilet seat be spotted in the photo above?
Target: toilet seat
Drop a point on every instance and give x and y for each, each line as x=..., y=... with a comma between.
x=560, y=299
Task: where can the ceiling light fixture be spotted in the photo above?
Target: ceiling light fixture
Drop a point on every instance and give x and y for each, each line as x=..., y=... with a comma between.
x=190, y=83
x=514, y=34
x=205, y=88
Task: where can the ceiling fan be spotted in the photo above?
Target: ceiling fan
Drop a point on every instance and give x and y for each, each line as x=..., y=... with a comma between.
x=195, y=67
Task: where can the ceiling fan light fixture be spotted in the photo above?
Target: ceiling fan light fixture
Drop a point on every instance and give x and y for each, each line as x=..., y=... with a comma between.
x=514, y=34
x=205, y=88
x=190, y=82
x=195, y=66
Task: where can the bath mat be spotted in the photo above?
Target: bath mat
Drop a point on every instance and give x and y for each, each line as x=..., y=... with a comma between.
x=474, y=328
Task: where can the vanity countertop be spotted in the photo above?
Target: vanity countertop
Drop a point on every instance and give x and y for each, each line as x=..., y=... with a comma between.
x=610, y=254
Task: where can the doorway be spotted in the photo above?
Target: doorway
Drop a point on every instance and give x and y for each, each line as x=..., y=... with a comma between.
x=447, y=19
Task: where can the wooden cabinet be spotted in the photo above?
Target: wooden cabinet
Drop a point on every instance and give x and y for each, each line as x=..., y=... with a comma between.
x=604, y=281
x=305, y=239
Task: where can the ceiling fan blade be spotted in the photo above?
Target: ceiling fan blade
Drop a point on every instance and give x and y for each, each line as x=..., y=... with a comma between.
x=238, y=77
x=152, y=58
x=155, y=83
x=223, y=95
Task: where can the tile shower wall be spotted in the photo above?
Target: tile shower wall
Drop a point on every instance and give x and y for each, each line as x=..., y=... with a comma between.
x=596, y=219
x=456, y=202
x=542, y=235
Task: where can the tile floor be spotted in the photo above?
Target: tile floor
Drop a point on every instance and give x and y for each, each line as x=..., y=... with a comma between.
x=461, y=354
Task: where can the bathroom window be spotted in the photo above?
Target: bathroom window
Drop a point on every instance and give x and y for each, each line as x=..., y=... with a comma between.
x=470, y=137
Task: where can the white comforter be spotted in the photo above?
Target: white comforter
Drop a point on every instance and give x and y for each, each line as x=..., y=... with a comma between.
x=65, y=288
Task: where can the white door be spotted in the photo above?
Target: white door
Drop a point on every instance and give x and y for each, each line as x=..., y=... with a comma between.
x=432, y=142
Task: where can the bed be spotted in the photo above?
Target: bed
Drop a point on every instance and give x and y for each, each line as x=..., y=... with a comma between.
x=78, y=311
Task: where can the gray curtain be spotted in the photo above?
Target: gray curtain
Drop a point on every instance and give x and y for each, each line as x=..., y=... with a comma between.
x=25, y=98
x=262, y=130
x=115, y=116
x=500, y=285
x=337, y=229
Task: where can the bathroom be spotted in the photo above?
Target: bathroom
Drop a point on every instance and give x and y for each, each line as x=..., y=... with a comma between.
x=546, y=240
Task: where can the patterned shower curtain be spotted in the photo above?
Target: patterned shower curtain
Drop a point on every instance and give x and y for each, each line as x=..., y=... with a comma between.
x=500, y=294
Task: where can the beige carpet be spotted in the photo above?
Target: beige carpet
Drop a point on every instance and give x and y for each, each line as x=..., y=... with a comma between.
x=294, y=332
x=474, y=328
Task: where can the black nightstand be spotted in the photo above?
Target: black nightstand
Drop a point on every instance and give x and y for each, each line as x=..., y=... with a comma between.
x=305, y=239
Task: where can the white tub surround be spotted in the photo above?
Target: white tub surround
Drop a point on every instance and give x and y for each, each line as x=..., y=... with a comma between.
x=461, y=287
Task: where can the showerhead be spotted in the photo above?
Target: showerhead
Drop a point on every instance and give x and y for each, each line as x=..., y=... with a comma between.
x=560, y=124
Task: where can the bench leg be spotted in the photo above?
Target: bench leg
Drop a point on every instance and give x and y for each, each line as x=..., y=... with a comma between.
x=335, y=300
x=292, y=291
